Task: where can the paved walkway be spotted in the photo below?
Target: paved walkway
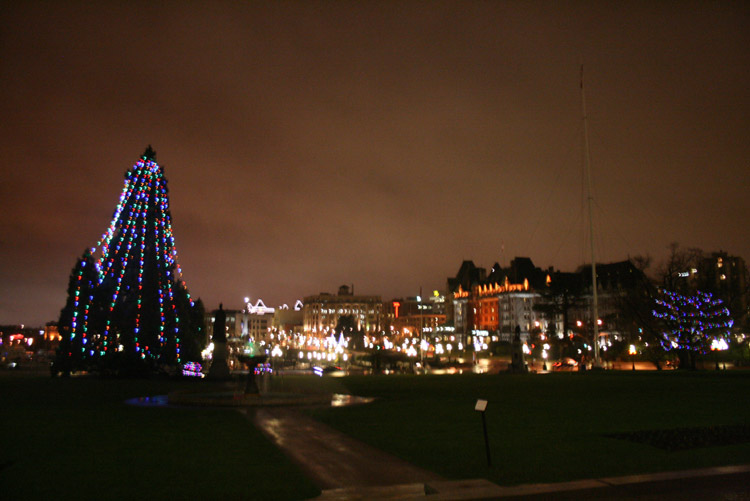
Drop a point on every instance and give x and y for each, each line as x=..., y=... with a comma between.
x=331, y=459
x=346, y=469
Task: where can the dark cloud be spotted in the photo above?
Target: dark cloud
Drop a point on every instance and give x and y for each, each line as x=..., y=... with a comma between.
x=309, y=144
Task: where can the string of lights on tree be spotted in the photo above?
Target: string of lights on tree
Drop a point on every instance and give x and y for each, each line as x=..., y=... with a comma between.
x=137, y=291
x=81, y=296
x=692, y=322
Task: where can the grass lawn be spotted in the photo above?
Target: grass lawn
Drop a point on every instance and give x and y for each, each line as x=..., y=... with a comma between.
x=77, y=439
x=545, y=428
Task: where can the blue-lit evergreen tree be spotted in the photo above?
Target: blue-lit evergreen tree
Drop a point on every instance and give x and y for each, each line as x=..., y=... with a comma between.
x=128, y=309
x=690, y=324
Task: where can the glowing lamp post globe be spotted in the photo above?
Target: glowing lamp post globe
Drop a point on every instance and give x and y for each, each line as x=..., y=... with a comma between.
x=718, y=345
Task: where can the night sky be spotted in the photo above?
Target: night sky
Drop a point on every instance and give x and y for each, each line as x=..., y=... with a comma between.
x=313, y=144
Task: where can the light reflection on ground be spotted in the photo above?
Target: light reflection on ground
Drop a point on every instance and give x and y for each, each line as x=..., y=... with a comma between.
x=337, y=400
x=155, y=401
x=341, y=400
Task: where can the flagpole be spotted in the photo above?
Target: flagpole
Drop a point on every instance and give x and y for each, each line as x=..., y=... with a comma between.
x=587, y=166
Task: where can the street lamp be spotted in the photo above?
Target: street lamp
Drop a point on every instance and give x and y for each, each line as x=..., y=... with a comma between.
x=632, y=354
x=718, y=345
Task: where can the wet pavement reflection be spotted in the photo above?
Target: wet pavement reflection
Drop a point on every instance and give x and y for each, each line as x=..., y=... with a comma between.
x=332, y=459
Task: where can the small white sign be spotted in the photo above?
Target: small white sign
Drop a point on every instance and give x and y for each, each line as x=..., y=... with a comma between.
x=481, y=405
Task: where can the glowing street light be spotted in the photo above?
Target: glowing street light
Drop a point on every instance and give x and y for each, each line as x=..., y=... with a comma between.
x=718, y=345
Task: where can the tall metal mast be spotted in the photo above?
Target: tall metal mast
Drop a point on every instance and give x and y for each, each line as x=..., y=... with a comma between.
x=587, y=164
x=421, y=330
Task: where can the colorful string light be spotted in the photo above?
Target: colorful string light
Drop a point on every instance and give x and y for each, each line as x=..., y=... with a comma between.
x=132, y=272
x=692, y=322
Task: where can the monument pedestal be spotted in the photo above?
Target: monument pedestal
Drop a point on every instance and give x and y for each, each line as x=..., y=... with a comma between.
x=518, y=364
x=219, y=370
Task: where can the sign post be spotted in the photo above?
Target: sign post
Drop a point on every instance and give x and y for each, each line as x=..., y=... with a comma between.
x=481, y=407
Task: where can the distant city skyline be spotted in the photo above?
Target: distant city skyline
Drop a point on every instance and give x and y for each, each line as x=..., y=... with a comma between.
x=314, y=144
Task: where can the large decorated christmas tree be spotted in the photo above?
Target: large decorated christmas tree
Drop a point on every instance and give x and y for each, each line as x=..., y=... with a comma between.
x=128, y=308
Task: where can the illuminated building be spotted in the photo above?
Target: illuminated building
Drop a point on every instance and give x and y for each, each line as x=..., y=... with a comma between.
x=289, y=319
x=52, y=333
x=321, y=313
x=726, y=277
x=493, y=305
x=612, y=280
x=418, y=314
x=258, y=319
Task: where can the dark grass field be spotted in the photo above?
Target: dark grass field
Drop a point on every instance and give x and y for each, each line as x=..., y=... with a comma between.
x=549, y=428
x=77, y=439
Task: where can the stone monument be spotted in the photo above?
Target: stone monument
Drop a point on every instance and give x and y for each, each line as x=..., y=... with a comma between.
x=517, y=365
x=219, y=370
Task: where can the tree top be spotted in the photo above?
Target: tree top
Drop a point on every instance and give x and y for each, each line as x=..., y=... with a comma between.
x=149, y=154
